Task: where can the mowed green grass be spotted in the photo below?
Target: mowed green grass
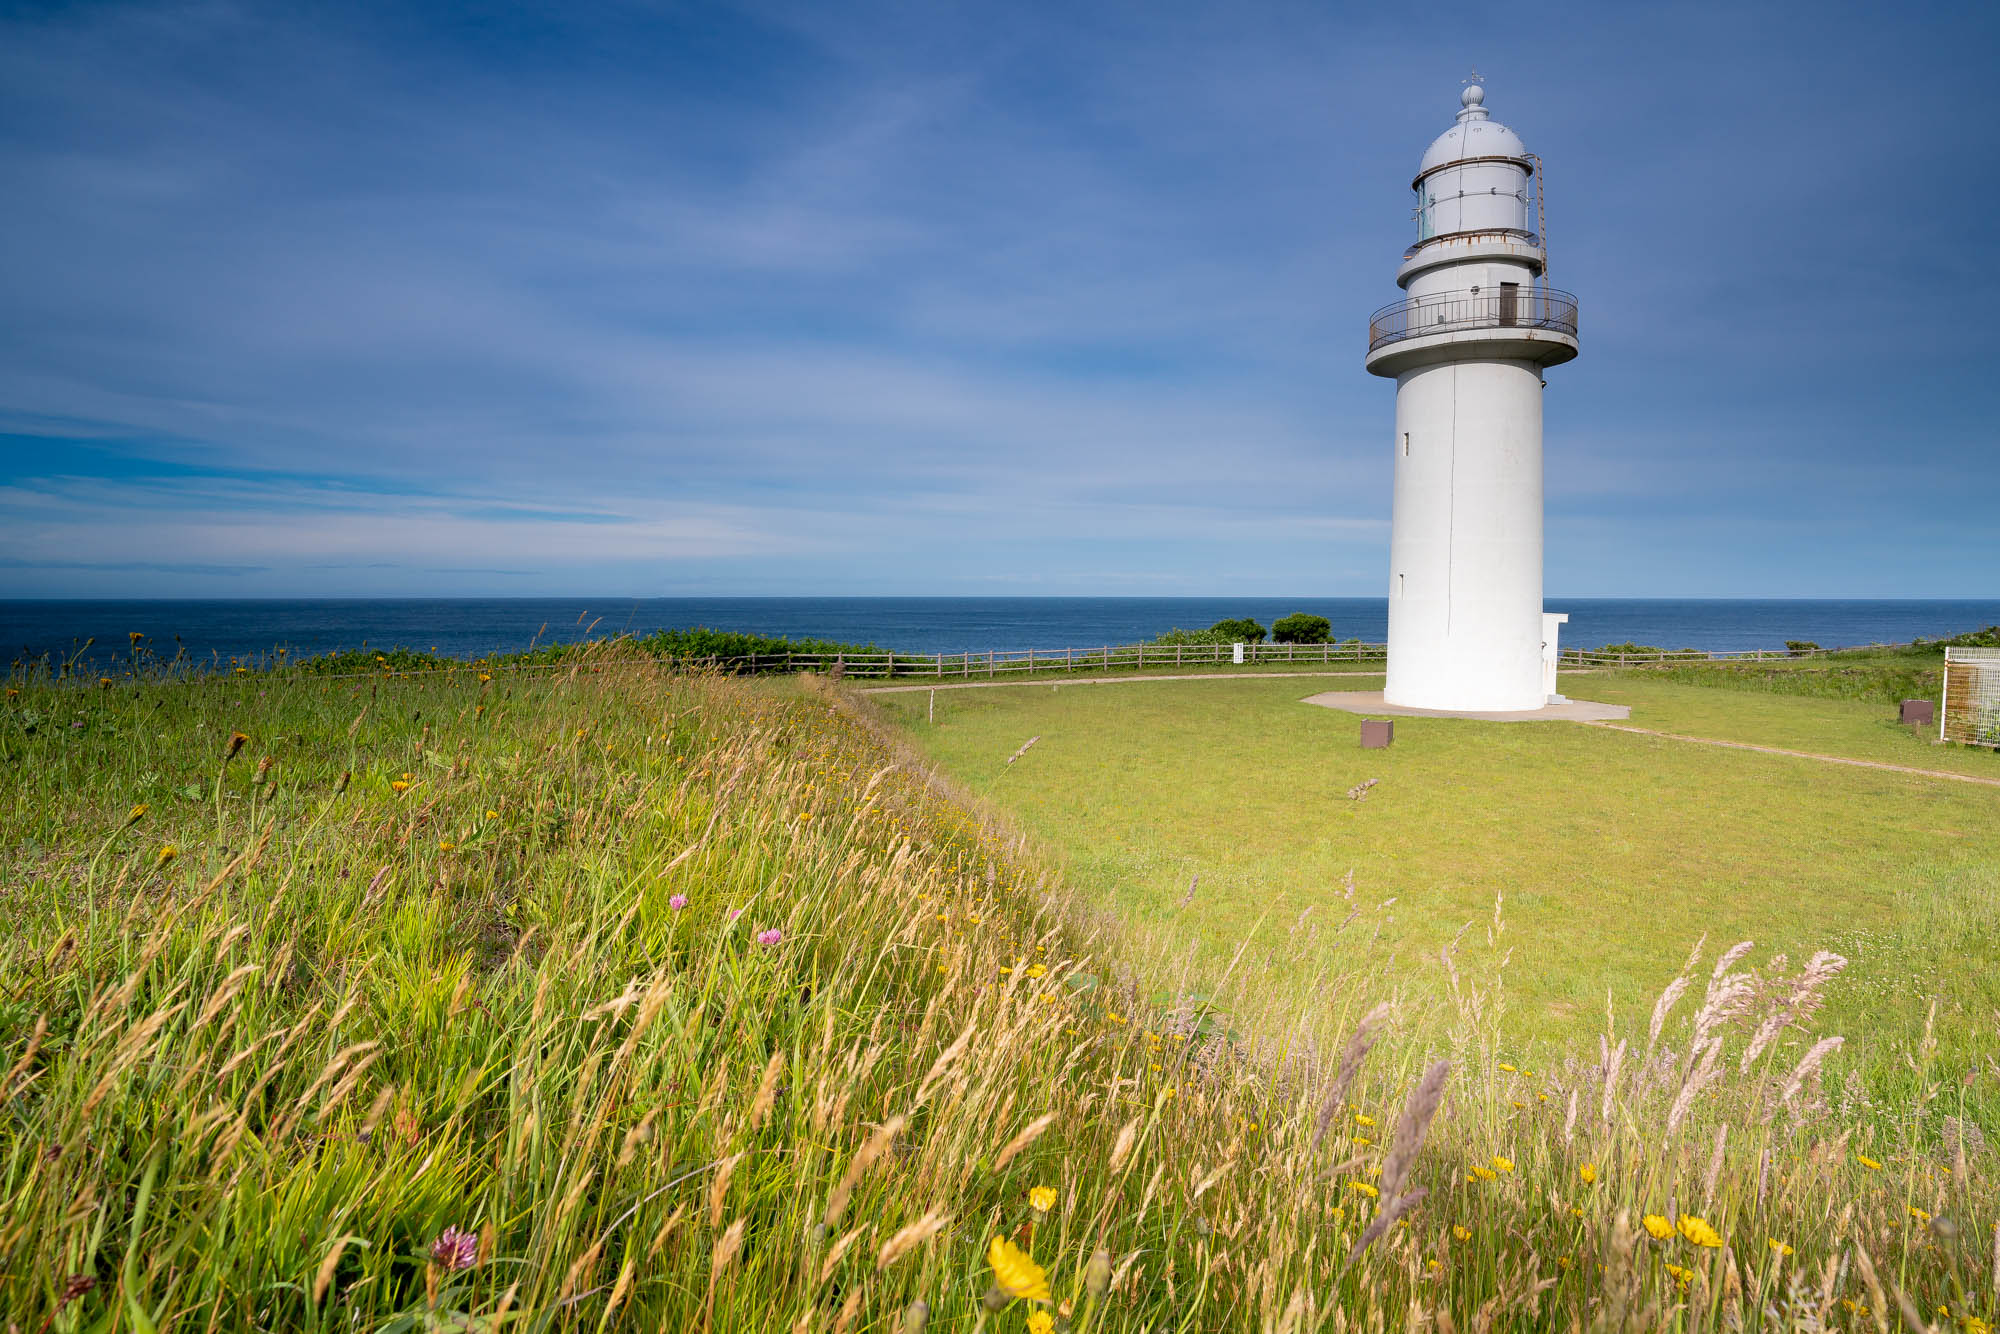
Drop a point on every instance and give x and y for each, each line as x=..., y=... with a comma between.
x=1860, y=729
x=1614, y=853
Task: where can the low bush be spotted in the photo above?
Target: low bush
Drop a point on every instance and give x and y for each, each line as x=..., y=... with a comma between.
x=1242, y=630
x=1301, y=628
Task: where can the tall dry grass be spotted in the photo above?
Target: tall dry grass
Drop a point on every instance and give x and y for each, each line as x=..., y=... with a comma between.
x=619, y=999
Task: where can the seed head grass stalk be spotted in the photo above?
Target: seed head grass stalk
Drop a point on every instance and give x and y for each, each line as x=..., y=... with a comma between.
x=653, y=1000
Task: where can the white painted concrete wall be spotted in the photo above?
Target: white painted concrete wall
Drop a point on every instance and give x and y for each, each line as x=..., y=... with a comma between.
x=1465, y=583
x=1552, y=624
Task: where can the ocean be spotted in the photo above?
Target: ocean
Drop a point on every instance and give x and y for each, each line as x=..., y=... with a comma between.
x=215, y=631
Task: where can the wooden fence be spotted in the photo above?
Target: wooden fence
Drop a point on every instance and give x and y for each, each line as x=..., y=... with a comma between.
x=994, y=663
x=998, y=663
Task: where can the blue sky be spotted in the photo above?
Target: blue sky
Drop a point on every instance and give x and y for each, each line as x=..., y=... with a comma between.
x=945, y=299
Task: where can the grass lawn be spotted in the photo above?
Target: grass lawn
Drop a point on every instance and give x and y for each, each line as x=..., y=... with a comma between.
x=1614, y=852
x=1858, y=729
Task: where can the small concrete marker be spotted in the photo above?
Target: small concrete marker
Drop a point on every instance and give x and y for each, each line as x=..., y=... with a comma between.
x=1377, y=733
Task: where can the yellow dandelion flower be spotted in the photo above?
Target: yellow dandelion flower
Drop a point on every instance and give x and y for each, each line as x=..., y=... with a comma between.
x=1036, y=970
x=1042, y=1199
x=1363, y=1188
x=1508, y=1068
x=398, y=785
x=1361, y=1120
x=1780, y=1246
x=1154, y=1066
x=1462, y=1233
x=1919, y=1214
x=1517, y=1102
x=1658, y=1225
x=446, y=845
x=1362, y=1141
x=492, y=815
x=1575, y=1211
x=1974, y=1325
x=1562, y=1262
x=1867, y=1162
x=1684, y=1276
x=1041, y=1322
x=1016, y=1273
x=167, y=853
x=1502, y=1164
x=1336, y=1213
x=1589, y=1173
x=1434, y=1265
x=1171, y=1092
x=136, y=814
x=1481, y=1172
x=1698, y=1231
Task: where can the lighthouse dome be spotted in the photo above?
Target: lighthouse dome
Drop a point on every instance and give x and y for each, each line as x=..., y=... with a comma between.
x=1474, y=136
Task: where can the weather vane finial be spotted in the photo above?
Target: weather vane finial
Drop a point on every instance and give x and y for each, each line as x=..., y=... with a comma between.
x=1475, y=76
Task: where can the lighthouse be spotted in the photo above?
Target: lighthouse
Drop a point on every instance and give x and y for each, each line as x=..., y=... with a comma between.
x=1468, y=346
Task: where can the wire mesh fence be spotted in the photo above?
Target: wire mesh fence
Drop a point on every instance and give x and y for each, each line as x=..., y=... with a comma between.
x=1971, y=708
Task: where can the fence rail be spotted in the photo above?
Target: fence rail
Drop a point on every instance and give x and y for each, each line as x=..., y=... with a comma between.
x=997, y=663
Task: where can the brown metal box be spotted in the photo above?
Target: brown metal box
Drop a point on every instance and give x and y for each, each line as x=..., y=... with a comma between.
x=1920, y=712
x=1377, y=733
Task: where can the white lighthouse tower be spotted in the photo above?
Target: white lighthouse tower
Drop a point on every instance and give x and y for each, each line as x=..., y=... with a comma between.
x=1467, y=348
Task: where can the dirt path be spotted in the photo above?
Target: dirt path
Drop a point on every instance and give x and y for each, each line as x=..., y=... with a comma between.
x=1806, y=755
x=947, y=684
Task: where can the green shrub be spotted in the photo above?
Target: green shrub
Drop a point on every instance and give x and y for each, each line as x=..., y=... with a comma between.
x=1801, y=646
x=1301, y=628
x=1242, y=629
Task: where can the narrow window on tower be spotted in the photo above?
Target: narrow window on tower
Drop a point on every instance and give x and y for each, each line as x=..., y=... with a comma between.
x=1406, y=444
x=1399, y=585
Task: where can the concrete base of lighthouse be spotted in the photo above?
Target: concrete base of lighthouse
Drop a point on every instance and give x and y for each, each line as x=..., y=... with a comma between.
x=1465, y=584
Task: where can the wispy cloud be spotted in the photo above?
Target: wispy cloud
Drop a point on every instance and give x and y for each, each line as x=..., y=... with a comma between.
x=904, y=298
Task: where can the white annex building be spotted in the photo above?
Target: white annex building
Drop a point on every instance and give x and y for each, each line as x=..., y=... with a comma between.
x=1467, y=349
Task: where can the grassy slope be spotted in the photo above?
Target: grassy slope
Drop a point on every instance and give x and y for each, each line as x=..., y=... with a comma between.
x=1614, y=852
x=247, y=1088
